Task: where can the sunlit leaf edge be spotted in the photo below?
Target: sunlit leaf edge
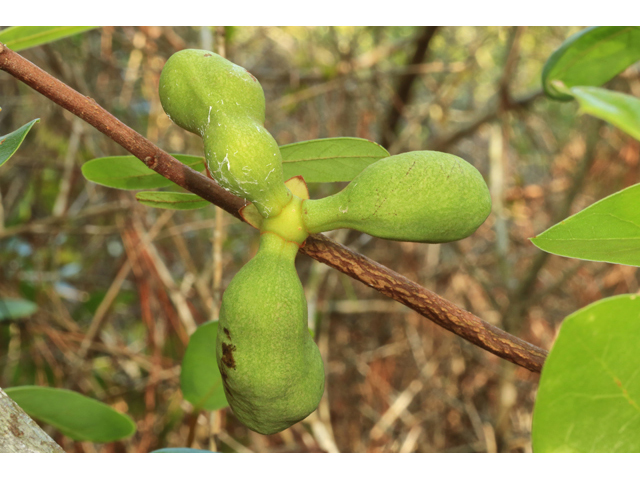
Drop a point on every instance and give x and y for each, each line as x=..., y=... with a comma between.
x=172, y=201
x=535, y=240
x=581, y=94
x=285, y=148
x=21, y=133
x=193, y=161
x=47, y=35
x=553, y=59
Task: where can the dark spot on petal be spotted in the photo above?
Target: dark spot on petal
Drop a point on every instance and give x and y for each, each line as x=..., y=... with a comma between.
x=227, y=355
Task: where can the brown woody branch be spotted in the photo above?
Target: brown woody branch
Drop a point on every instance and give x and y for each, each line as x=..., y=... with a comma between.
x=443, y=143
x=402, y=94
x=359, y=267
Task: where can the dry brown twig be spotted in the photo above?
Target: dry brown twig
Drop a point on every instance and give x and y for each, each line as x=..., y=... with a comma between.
x=319, y=247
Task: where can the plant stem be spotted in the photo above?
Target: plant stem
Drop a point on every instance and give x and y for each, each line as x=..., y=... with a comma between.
x=319, y=247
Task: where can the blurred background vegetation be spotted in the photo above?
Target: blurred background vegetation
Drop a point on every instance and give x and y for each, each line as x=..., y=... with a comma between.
x=121, y=286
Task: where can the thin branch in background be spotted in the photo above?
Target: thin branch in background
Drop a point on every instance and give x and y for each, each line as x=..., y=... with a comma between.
x=47, y=224
x=219, y=231
x=62, y=201
x=150, y=253
x=148, y=318
x=112, y=292
x=219, y=41
x=520, y=297
x=510, y=64
x=500, y=168
x=192, y=277
x=499, y=158
x=397, y=407
x=444, y=142
x=402, y=96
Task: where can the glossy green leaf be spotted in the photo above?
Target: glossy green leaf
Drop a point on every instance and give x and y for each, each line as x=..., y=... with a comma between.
x=128, y=173
x=20, y=38
x=76, y=416
x=10, y=142
x=14, y=308
x=338, y=159
x=591, y=58
x=619, y=109
x=171, y=200
x=181, y=450
x=589, y=394
x=200, y=378
x=607, y=231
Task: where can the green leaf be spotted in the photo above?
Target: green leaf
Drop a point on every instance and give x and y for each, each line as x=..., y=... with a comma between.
x=171, y=200
x=200, y=378
x=76, y=416
x=619, y=109
x=338, y=159
x=14, y=308
x=12, y=141
x=589, y=394
x=591, y=58
x=181, y=450
x=607, y=231
x=20, y=38
x=128, y=173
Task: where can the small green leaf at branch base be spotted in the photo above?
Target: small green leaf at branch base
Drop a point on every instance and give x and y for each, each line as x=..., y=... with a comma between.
x=589, y=394
x=591, y=57
x=10, y=142
x=129, y=173
x=607, y=231
x=200, y=378
x=76, y=416
x=338, y=159
x=171, y=200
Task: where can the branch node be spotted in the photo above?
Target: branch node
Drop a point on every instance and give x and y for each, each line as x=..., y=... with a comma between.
x=151, y=162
